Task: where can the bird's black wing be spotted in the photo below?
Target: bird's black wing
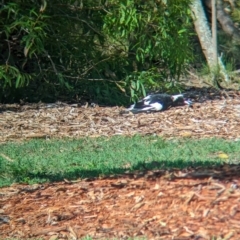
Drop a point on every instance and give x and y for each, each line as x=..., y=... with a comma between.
x=164, y=99
x=140, y=104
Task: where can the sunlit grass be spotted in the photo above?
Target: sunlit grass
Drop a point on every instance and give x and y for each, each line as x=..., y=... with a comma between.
x=54, y=160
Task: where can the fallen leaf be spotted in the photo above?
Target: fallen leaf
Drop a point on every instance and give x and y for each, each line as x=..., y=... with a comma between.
x=223, y=156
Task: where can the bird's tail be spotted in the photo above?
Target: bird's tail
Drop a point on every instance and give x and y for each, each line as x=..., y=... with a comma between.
x=134, y=110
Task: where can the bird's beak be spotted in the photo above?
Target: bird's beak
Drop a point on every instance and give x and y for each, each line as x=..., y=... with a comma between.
x=188, y=102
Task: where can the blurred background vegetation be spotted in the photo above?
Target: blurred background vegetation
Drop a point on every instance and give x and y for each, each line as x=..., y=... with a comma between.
x=105, y=51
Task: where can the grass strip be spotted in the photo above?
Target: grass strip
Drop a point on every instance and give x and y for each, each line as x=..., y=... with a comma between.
x=38, y=161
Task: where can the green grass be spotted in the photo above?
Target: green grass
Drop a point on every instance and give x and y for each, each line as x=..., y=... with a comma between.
x=39, y=161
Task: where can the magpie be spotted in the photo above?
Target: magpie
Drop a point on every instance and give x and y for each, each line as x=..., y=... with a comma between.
x=158, y=102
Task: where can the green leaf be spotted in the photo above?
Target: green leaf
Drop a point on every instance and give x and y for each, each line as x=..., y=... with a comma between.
x=143, y=90
x=137, y=85
x=18, y=81
x=132, y=93
x=182, y=31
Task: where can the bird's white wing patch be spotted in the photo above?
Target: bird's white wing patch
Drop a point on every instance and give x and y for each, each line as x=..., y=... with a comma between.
x=157, y=106
x=147, y=108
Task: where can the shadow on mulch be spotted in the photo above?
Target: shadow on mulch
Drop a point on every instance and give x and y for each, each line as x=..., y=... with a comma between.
x=196, y=94
x=203, y=94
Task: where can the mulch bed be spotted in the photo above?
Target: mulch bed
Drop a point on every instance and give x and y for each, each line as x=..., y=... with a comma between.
x=214, y=114
x=189, y=204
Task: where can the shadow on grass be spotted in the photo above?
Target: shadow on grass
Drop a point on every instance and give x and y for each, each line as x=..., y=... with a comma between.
x=40, y=161
x=149, y=170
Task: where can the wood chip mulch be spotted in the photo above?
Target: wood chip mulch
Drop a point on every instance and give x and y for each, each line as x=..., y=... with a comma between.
x=189, y=204
x=199, y=204
x=212, y=115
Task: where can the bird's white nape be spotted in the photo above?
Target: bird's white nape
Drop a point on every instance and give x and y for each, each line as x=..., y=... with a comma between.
x=175, y=97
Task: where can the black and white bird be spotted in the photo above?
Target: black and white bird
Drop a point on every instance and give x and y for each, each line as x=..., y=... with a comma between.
x=158, y=102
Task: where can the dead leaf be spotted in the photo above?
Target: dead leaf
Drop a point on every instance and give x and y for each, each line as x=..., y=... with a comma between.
x=223, y=156
x=137, y=206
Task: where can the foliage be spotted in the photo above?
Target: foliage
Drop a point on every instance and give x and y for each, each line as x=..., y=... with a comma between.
x=41, y=160
x=23, y=31
x=151, y=80
x=106, y=51
x=156, y=34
